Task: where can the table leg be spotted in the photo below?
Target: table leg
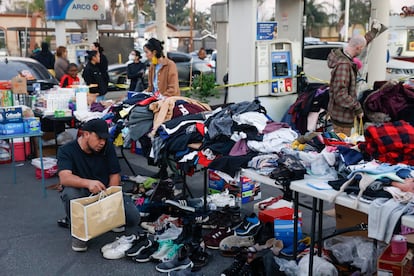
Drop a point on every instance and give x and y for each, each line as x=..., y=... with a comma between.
x=13, y=161
x=320, y=222
x=42, y=171
x=205, y=189
x=295, y=224
x=312, y=235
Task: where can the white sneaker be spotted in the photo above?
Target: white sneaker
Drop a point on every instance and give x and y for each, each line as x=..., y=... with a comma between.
x=151, y=227
x=118, y=249
x=222, y=199
x=118, y=240
x=171, y=233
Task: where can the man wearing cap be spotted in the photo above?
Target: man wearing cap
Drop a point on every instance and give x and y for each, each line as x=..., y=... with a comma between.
x=87, y=166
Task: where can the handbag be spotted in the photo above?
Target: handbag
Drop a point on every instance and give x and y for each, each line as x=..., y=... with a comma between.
x=357, y=132
x=97, y=214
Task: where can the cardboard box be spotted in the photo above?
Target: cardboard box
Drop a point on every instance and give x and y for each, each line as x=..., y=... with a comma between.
x=243, y=188
x=19, y=85
x=284, y=213
x=346, y=217
x=395, y=264
x=13, y=128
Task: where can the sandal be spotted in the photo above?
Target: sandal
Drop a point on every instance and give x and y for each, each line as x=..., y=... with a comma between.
x=63, y=222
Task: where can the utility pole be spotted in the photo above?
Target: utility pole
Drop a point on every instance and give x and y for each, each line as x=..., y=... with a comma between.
x=161, y=20
x=191, y=25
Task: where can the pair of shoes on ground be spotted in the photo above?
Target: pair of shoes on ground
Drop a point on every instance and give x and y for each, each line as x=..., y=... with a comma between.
x=180, y=261
x=160, y=223
x=125, y=246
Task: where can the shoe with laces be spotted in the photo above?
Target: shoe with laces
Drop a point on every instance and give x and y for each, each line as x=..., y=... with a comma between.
x=213, y=239
x=79, y=245
x=186, y=205
x=151, y=227
x=184, y=272
x=236, y=266
x=232, y=243
x=118, y=251
x=246, y=270
x=145, y=254
x=180, y=261
x=222, y=199
x=140, y=244
x=171, y=233
x=163, y=248
x=199, y=256
x=119, y=240
x=171, y=253
x=249, y=225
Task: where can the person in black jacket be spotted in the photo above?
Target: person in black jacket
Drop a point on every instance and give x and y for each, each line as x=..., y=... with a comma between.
x=103, y=64
x=45, y=57
x=94, y=77
x=135, y=72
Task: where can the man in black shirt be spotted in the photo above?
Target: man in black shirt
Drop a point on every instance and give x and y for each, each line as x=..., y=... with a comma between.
x=87, y=166
x=135, y=72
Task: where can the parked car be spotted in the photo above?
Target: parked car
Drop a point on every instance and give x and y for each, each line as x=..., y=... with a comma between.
x=13, y=66
x=185, y=63
x=317, y=70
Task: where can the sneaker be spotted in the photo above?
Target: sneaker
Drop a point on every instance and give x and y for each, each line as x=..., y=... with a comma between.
x=63, y=222
x=246, y=270
x=213, y=239
x=250, y=224
x=199, y=257
x=140, y=244
x=163, y=248
x=178, y=262
x=171, y=233
x=118, y=251
x=231, y=242
x=182, y=204
x=151, y=227
x=184, y=272
x=79, y=245
x=222, y=199
x=145, y=254
x=118, y=241
x=236, y=266
x=171, y=253
x=118, y=229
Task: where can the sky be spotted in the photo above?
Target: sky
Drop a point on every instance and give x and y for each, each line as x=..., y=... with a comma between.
x=203, y=5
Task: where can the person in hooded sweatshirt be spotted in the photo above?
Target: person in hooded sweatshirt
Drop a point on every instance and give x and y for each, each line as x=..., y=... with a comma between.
x=45, y=57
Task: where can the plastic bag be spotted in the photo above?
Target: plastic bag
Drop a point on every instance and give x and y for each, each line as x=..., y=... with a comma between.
x=321, y=267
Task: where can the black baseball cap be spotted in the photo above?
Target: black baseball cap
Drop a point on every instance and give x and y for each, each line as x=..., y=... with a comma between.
x=99, y=126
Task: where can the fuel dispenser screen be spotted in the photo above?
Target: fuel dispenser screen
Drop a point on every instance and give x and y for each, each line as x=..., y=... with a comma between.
x=281, y=70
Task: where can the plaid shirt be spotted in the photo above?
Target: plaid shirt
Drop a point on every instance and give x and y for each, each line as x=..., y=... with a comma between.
x=343, y=104
x=391, y=143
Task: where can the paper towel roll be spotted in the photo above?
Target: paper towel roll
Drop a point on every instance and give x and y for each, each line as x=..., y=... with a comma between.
x=81, y=101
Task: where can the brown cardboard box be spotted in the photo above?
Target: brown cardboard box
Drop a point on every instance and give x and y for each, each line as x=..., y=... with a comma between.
x=395, y=264
x=346, y=217
x=19, y=85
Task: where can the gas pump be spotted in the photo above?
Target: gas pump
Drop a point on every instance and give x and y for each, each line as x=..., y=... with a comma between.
x=277, y=62
x=77, y=52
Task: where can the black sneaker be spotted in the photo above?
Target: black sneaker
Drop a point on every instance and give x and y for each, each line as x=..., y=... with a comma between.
x=63, y=222
x=163, y=190
x=145, y=254
x=236, y=266
x=140, y=244
x=199, y=257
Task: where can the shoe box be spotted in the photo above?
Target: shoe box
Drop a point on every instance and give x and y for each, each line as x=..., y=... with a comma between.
x=244, y=188
x=395, y=264
x=283, y=213
x=280, y=203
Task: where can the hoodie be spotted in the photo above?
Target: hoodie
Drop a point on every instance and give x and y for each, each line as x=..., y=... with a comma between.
x=45, y=57
x=343, y=105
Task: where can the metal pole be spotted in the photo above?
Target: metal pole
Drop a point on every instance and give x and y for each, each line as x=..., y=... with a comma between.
x=346, y=20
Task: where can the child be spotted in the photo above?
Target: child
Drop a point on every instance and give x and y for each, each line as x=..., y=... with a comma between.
x=71, y=77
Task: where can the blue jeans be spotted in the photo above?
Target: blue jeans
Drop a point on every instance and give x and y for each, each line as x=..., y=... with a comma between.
x=132, y=216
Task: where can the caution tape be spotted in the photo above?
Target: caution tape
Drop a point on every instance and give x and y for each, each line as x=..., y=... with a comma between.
x=244, y=83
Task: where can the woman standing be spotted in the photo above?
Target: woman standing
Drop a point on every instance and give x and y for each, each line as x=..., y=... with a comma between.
x=135, y=72
x=61, y=62
x=162, y=75
x=103, y=64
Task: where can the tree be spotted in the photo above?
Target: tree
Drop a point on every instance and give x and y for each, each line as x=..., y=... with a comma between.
x=359, y=11
x=316, y=17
